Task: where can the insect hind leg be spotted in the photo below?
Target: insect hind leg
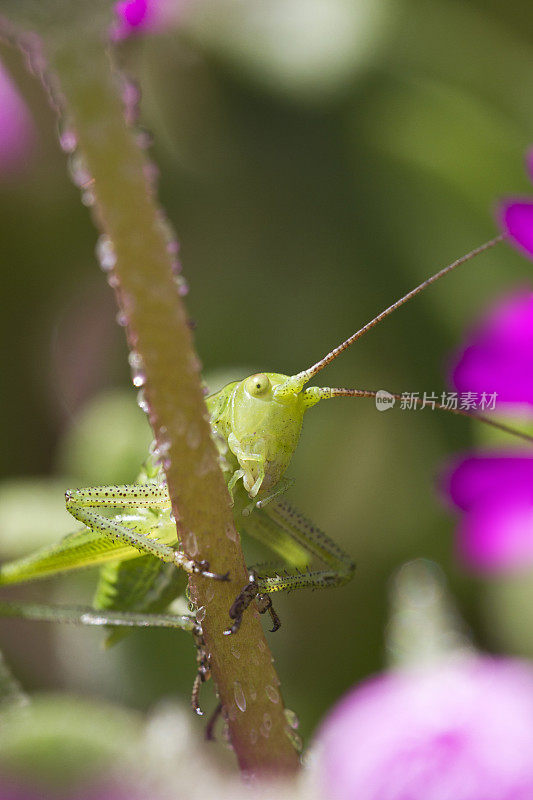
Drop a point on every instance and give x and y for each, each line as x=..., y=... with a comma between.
x=82, y=502
x=284, y=520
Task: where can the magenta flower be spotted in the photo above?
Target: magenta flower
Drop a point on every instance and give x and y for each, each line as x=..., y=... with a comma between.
x=499, y=354
x=494, y=490
x=459, y=730
x=495, y=493
x=16, y=127
x=143, y=16
x=516, y=217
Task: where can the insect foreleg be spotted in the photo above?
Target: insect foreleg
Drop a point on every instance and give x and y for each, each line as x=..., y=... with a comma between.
x=263, y=602
x=203, y=668
x=242, y=601
x=282, y=486
x=247, y=456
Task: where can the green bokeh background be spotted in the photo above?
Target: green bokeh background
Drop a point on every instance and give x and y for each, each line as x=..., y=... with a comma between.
x=314, y=173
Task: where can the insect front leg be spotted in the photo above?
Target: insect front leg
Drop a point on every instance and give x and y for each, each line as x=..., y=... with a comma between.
x=82, y=502
x=281, y=487
x=203, y=669
x=252, y=463
x=243, y=600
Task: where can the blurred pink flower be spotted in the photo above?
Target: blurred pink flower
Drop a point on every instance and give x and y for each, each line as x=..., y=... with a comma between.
x=459, y=730
x=136, y=17
x=516, y=217
x=16, y=127
x=498, y=356
x=494, y=490
x=495, y=494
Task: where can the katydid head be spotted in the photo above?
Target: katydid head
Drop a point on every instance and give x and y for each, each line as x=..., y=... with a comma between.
x=261, y=419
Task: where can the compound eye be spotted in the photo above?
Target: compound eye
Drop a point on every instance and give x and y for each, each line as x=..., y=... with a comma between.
x=258, y=385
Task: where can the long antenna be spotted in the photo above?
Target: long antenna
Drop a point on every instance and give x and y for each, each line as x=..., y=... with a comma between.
x=318, y=393
x=302, y=377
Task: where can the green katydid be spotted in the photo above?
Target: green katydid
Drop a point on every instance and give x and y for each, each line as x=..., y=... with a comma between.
x=130, y=533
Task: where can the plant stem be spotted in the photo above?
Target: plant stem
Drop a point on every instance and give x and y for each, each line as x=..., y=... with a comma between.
x=88, y=92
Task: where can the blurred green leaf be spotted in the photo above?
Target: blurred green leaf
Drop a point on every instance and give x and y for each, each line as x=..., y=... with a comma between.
x=61, y=741
x=107, y=442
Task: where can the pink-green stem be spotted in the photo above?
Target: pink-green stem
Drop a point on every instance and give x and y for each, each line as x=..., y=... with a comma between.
x=87, y=93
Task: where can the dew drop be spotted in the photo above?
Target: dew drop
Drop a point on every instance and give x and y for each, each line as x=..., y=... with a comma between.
x=200, y=614
x=292, y=719
x=253, y=736
x=192, y=544
x=138, y=374
x=138, y=378
x=79, y=171
x=135, y=361
x=67, y=140
x=142, y=402
x=122, y=320
x=144, y=138
x=163, y=451
x=151, y=173
x=231, y=533
x=175, y=266
x=238, y=693
x=195, y=365
x=295, y=740
x=113, y=280
x=131, y=97
x=180, y=422
x=272, y=693
x=105, y=253
x=204, y=465
x=226, y=736
x=193, y=436
x=181, y=285
x=87, y=198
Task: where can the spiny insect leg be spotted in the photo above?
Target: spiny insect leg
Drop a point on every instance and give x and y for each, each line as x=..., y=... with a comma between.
x=203, y=671
x=81, y=502
x=316, y=542
x=241, y=603
x=264, y=603
x=85, y=615
x=277, y=526
x=135, y=495
x=283, y=486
